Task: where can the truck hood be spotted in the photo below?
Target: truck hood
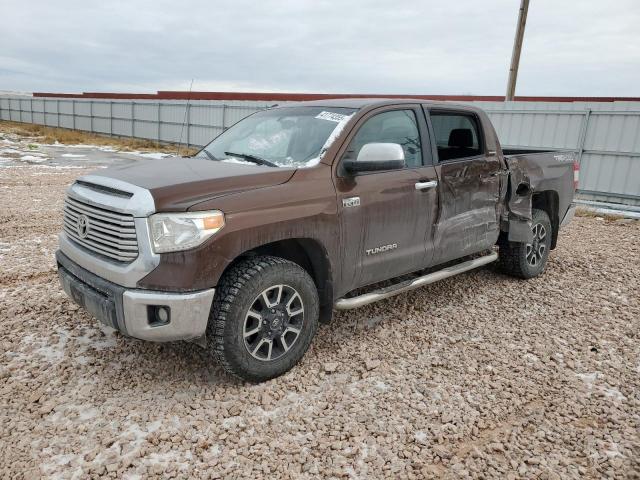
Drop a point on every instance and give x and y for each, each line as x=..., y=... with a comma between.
x=178, y=183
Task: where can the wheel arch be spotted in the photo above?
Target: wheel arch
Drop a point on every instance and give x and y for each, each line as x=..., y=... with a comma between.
x=548, y=201
x=311, y=255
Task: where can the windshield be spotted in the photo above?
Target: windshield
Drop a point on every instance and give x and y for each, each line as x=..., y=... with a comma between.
x=282, y=137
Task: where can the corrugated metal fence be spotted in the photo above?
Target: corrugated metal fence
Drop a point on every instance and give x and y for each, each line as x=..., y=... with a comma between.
x=606, y=135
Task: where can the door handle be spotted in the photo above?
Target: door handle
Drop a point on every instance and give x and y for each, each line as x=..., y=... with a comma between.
x=425, y=185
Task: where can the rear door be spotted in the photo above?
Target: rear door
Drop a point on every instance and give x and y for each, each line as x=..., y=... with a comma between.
x=469, y=185
x=385, y=216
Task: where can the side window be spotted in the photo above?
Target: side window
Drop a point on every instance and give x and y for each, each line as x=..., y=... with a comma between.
x=457, y=135
x=395, y=126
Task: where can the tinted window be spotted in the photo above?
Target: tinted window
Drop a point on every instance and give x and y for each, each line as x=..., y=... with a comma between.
x=457, y=135
x=396, y=126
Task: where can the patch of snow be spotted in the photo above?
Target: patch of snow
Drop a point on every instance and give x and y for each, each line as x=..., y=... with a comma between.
x=231, y=422
x=73, y=155
x=613, y=451
x=236, y=160
x=380, y=385
x=165, y=457
x=92, y=340
x=311, y=163
x=588, y=378
x=213, y=451
x=52, y=167
x=615, y=394
x=64, y=145
x=87, y=414
x=9, y=150
x=152, y=155
x=420, y=436
x=34, y=158
x=530, y=357
x=52, y=467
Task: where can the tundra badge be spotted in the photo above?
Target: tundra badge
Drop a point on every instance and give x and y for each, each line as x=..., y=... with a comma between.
x=382, y=249
x=351, y=202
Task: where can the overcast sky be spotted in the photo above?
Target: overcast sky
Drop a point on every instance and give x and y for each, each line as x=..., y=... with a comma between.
x=571, y=47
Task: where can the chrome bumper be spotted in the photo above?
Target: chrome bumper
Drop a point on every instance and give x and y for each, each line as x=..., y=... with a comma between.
x=133, y=311
x=571, y=212
x=189, y=314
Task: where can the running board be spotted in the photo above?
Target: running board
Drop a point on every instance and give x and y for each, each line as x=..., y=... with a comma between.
x=367, y=298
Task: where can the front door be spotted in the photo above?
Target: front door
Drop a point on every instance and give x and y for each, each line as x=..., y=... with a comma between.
x=385, y=216
x=469, y=186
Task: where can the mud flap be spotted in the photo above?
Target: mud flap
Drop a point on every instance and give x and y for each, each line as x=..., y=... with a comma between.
x=520, y=230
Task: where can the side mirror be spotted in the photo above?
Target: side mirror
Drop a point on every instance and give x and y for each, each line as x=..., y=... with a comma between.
x=376, y=156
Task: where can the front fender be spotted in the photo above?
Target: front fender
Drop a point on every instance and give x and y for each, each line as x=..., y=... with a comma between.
x=304, y=207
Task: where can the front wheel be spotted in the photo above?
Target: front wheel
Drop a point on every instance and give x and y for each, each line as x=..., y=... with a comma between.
x=264, y=316
x=528, y=260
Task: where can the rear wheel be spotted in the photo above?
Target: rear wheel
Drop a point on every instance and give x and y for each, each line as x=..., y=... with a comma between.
x=528, y=260
x=263, y=318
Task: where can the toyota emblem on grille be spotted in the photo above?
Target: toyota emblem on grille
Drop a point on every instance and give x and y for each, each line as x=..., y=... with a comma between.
x=83, y=226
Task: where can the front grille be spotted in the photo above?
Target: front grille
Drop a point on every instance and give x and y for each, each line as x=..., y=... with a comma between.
x=103, y=231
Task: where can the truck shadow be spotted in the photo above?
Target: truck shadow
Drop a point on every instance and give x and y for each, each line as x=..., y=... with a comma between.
x=193, y=366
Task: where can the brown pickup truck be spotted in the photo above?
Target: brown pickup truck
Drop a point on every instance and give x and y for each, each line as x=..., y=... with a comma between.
x=299, y=210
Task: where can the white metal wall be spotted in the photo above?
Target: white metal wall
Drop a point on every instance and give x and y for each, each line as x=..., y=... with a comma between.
x=606, y=135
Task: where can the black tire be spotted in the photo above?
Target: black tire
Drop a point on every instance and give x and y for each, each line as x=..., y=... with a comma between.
x=240, y=290
x=516, y=259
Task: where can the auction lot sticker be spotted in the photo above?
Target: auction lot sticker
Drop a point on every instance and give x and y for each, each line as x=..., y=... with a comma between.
x=332, y=117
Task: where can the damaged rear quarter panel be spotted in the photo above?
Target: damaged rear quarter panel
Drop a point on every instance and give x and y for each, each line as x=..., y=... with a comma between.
x=531, y=173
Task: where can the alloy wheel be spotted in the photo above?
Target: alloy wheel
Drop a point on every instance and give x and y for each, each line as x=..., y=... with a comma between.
x=273, y=322
x=537, y=249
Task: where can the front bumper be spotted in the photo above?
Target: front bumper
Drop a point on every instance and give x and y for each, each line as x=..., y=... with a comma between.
x=133, y=311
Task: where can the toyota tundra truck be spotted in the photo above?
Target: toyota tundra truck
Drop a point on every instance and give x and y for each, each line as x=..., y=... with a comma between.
x=300, y=210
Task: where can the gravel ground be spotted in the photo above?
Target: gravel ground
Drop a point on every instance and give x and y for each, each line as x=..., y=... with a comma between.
x=479, y=376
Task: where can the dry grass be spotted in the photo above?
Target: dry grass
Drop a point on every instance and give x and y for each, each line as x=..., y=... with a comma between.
x=74, y=137
x=586, y=212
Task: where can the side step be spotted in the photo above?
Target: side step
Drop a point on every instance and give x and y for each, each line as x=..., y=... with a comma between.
x=367, y=298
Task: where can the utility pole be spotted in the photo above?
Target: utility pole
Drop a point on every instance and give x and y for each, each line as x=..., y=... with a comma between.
x=517, y=47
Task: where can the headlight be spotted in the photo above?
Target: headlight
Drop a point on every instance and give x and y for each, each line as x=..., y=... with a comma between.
x=172, y=232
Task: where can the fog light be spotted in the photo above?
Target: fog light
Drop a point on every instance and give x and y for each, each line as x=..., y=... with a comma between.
x=158, y=315
x=162, y=314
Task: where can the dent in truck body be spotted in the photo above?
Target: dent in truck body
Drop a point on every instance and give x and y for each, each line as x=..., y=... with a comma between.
x=519, y=202
x=471, y=194
x=538, y=178
x=468, y=219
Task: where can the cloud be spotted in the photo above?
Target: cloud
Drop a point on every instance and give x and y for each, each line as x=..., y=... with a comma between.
x=360, y=46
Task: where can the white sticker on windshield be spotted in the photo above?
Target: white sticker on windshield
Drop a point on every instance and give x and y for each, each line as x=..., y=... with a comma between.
x=332, y=117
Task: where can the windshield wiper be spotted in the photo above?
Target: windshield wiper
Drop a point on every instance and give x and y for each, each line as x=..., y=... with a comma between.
x=252, y=158
x=209, y=154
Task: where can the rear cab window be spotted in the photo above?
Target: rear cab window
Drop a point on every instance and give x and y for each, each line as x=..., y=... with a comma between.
x=457, y=135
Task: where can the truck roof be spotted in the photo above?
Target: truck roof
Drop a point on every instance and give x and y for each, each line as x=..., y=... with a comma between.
x=375, y=102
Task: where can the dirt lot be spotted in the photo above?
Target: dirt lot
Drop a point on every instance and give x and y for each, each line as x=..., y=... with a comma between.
x=479, y=376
